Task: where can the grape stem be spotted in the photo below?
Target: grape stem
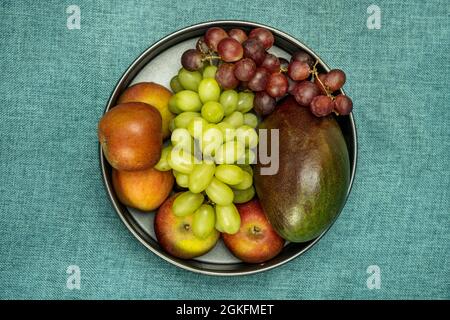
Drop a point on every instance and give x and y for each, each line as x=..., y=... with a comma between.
x=208, y=201
x=211, y=57
x=316, y=74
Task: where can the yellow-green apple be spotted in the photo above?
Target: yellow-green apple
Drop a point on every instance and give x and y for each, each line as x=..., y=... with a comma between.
x=175, y=234
x=131, y=137
x=256, y=241
x=153, y=94
x=145, y=190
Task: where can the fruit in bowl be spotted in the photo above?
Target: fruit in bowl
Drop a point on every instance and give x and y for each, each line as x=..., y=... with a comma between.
x=145, y=190
x=175, y=234
x=256, y=241
x=130, y=135
x=153, y=94
x=230, y=86
x=302, y=199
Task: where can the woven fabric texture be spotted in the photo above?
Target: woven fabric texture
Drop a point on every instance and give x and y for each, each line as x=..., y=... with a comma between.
x=54, y=211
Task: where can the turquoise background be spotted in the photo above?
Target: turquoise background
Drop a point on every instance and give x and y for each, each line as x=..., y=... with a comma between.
x=54, y=211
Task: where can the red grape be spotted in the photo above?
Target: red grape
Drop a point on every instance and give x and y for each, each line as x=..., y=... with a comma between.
x=238, y=34
x=298, y=70
x=321, y=106
x=259, y=80
x=335, y=79
x=230, y=50
x=264, y=36
x=202, y=46
x=213, y=36
x=304, y=91
x=343, y=105
x=254, y=50
x=277, y=85
x=271, y=63
x=245, y=69
x=225, y=76
x=263, y=104
x=192, y=60
x=291, y=85
x=243, y=85
x=302, y=56
x=323, y=88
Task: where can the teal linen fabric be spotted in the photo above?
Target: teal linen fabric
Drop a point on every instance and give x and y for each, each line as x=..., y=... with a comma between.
x=54, y=211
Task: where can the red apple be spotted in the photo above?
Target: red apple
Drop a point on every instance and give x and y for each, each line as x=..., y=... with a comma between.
x=144, y=189
x=131, y=137
x=256, y=241
x=153, y=94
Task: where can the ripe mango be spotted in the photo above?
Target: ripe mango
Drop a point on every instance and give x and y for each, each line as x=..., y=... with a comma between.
x=306, y=194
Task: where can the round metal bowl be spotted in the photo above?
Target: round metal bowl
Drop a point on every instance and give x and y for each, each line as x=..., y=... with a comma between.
x=158, y=64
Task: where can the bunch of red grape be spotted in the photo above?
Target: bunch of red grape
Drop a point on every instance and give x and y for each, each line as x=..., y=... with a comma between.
x=243, y=61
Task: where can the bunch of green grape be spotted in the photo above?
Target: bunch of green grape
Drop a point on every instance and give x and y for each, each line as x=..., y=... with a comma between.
x=212, y=145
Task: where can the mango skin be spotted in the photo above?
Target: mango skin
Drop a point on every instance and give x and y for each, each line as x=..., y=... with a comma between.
x=306, y=194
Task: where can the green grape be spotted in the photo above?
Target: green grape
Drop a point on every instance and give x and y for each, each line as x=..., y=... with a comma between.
x=182, y=139
x=189, y=79
x=210, y=72
x=246, y=182
x=236, y=119
x=251, y=120
x=201, y=176
x=218, y=226
x=212, y=139
x=228, y=131
x=228, y=219
x=186, y=203
x=229, y=173
x=182, y=179
x=247, y=135
x=172, y=125
x=163, y=164
x=175, y=84
x=230, y=152
x=180, y=160
x=219, y=193
x=248, y=158
x=247, y=168
x=182, y=120
x=173, y=105
x=188, y=100
x=245, y=102
x=212, y=111
x=203, y=221
x=209, y=90
x=242, y=196
x=196, y=127
x=229, y=101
